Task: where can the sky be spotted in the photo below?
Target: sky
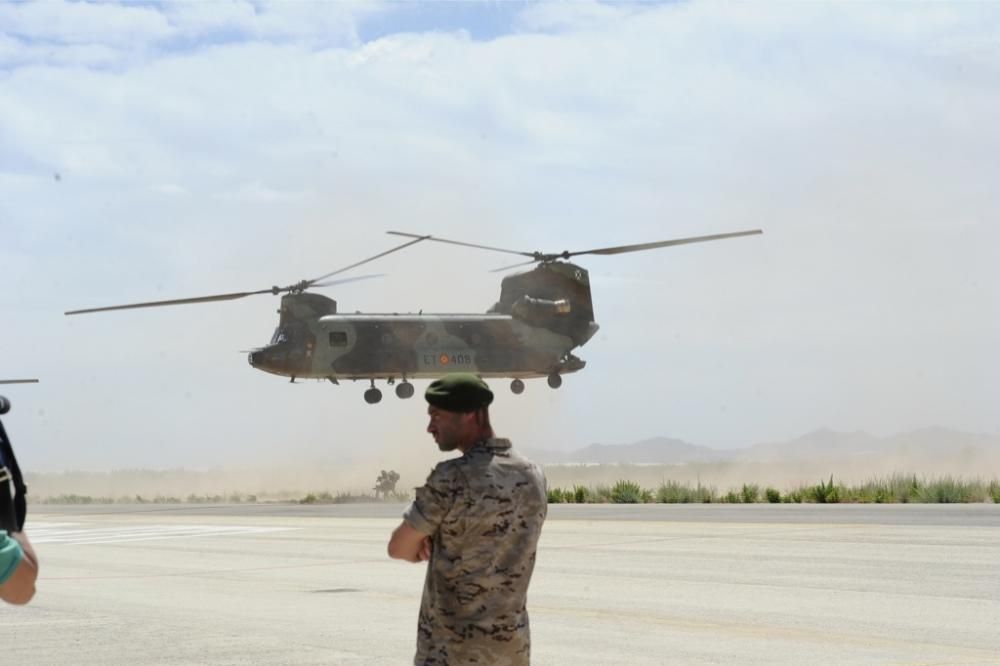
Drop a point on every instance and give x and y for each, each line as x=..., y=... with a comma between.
x=163, y=150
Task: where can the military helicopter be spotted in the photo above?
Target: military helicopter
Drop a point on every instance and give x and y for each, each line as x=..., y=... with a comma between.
x=542, y=315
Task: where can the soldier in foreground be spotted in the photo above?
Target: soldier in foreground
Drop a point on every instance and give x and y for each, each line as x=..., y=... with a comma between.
x=476, y=521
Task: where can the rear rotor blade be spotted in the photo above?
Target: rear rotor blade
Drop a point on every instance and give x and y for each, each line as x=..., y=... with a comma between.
x=652, y=246
x=621, y=249
x=18, y=381
x=507, y=268
x=533, y=255
x=176, y=301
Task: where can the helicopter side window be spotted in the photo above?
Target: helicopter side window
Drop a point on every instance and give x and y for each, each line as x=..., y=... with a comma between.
x=279, y=336
x=338, y=338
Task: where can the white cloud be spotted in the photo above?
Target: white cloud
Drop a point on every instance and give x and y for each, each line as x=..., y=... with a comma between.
x=63, y=22
x=574, y=16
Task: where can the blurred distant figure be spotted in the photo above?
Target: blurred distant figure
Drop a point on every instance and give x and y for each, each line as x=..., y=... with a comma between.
x=476, y=521
x=18, y=562
x=386, y=483
x=18, y=568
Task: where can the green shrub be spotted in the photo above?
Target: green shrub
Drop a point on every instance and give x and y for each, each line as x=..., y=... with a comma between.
x=906, y=489
x=671, y=492
x=824, y=493
x=897, y=488
x=873, y=492
x=628, y=492
x=73, y=498
x=556, y=496
x=793, y=497
x=949, y=490
x=601, y=494
x=166, y=499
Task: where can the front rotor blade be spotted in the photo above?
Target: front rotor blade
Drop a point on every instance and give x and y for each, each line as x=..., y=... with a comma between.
x=330, y=283
x=365, y=261
x=176, y=301
x=18, y=381
x=454, y=242
x=652, y=246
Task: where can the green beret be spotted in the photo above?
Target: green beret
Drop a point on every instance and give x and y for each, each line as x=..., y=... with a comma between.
x=459, y=392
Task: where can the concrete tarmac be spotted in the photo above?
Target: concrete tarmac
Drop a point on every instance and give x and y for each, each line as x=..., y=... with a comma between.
x=614, y=584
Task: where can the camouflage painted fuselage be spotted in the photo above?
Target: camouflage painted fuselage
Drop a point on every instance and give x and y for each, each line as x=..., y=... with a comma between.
x=382, y=346
x=541, y=316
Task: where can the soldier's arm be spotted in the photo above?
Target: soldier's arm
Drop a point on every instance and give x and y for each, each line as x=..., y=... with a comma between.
x=18, y=568
x=411, y=541
x=409, y=544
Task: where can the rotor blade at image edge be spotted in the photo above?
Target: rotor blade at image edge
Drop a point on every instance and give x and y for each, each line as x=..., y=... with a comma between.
x=463, y=244
x=365, y=261
x=667, y=243
x=18, y=381
x=176, y=301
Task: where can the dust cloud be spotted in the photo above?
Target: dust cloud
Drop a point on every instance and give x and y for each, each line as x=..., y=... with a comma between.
x=400, y=444
x=782, y=475
x=413, y=456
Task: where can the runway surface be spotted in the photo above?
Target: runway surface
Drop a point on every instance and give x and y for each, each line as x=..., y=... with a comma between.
x=614, y=584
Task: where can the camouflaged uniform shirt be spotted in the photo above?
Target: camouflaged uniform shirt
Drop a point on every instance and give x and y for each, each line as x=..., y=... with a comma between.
x=484, y=512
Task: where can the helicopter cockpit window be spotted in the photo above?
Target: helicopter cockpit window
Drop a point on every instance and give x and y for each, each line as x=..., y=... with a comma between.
x=279, y=336
x=338, y=338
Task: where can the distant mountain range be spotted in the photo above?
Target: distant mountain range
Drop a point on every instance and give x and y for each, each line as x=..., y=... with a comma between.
x=662, y=450
x=817, y=445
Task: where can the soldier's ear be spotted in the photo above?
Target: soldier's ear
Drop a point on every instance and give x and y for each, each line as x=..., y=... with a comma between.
x=482, y=417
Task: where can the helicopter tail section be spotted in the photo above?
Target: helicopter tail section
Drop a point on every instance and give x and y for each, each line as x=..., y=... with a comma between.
x=555, y=296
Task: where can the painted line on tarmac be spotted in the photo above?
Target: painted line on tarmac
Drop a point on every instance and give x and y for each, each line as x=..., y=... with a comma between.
x=80, y=534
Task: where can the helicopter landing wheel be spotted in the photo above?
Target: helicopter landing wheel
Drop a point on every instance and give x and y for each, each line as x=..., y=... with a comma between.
x=555, y=380
x=404, y=390
x=373, y=395
x=517, y=387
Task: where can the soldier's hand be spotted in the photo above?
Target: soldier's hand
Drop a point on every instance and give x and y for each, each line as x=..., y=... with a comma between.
x=424, y=553
x=26, y=547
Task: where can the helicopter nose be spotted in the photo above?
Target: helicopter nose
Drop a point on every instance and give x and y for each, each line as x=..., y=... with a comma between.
x=270, y=359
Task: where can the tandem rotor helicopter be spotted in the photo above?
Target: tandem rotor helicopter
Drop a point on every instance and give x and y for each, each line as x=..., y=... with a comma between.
x=543, y=314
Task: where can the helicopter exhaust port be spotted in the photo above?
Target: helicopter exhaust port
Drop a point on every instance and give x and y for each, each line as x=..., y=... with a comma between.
x=517, y=387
